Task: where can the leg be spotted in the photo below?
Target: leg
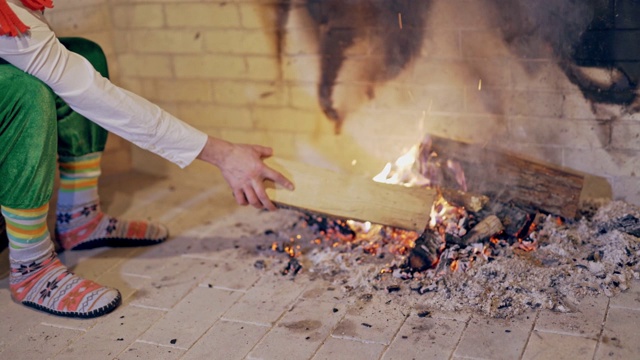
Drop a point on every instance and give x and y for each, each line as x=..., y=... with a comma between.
x=28, y=131
x=80, y=222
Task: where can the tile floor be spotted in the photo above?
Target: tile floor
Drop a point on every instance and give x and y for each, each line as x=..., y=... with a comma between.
x=199, y=296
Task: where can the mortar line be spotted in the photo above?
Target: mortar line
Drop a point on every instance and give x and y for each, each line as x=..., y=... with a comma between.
x=395, y=336
x=464, y=330
x=604, y=321
x=158, y=344
x=58, y=326
x=533, y=326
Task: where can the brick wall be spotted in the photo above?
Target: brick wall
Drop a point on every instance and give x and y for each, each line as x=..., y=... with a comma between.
x=214, y=64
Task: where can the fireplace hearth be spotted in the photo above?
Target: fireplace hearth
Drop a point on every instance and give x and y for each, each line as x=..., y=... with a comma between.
x=596, y=254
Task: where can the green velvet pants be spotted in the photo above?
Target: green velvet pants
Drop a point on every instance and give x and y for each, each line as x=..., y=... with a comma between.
x=36, y=126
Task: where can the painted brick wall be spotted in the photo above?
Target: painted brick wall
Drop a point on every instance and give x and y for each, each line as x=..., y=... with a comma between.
x=213, y=63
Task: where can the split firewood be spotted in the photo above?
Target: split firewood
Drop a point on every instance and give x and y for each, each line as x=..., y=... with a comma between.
x=351, y=197
x=489, y=226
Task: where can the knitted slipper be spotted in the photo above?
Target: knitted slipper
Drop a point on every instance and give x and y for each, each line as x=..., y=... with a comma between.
x=89, y=228
x=50, y=287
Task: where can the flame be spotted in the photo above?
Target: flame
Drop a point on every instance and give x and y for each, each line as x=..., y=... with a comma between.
x=403, y=171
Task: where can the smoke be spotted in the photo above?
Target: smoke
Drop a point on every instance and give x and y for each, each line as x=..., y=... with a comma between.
x=558, y=24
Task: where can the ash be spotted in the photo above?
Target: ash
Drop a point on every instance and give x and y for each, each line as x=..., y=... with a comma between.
x=598, y=254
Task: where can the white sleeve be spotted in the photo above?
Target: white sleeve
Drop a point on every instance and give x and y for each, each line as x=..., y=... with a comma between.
x=117, y=110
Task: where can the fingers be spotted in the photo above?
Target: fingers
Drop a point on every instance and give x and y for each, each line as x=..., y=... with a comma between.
x=262, y=196
x=254, y=195
x=278, y=178
x=252, y=198
x=238, y=194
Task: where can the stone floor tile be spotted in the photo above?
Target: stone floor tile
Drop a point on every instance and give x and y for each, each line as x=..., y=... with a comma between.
x=371, y=321
x=266, y=301
x=546, y=345
x=460, y=316
x=153, y=258
x=585, y=321
x=115, y=279
x=71, y=259
x=171, y=283
x=69, y=323
x=343, y=349
x=226, y=340
x=99, y=263
x=628, y=299
x=17, y=320
x=42, y=342
x=232, y=274
x=300, y=331
x=142, y=350
x=321, y=290
x=183, y=325
x=425, y=338
x=621, y=335
x=113, y=334
x=489, y=338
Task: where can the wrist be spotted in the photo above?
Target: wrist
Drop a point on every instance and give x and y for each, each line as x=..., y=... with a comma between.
x=215, y=151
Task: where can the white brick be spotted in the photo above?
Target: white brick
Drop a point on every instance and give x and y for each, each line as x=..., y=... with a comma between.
x=163, y=41
x=139, y=65
x=138, y=16
x=210, y=67
x=239, y=42
x=202, y=15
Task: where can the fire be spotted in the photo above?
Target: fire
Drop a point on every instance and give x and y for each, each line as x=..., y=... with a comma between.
x=454, y=239
x=403, y=171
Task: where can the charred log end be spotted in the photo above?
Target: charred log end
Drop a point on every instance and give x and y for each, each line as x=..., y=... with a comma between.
x=425, y=253
x=420, y=262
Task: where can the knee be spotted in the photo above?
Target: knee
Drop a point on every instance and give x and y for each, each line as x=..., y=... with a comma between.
x=23, y=90
x=25, y=98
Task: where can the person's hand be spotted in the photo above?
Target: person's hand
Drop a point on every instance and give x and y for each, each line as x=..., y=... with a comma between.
x=243, y=169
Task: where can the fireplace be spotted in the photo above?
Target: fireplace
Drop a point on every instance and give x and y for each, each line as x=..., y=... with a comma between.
x=352, y=85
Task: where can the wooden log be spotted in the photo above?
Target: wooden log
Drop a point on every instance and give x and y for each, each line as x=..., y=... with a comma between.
x=505, y=176
x=471, y=202
x=486, y=228
x=426, y=252
x=352, y=197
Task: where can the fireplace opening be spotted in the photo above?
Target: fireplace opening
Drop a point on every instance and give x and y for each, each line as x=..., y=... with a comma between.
x=495, y=252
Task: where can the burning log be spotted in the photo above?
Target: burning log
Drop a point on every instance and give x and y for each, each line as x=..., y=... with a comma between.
x=426, y=251
x=514, y=218
x=506, y=177
x=486, y=228
x=342, y=196
x=471, y=202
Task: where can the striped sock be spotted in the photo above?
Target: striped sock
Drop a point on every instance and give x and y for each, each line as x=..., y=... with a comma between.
x=39, y=280
x=81, y=224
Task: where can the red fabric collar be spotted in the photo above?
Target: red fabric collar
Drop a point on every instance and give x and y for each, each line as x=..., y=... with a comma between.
x=10, y=24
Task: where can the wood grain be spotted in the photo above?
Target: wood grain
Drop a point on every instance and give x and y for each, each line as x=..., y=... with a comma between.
x=352, y=197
